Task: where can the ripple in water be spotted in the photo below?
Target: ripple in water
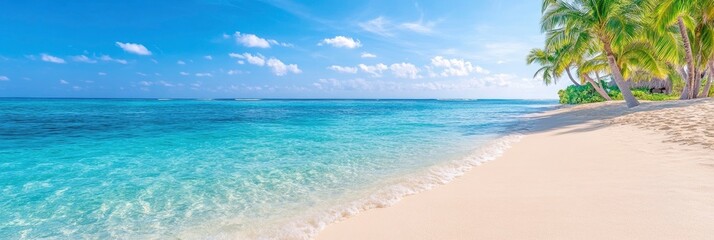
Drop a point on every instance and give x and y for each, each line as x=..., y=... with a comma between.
x=230, y=169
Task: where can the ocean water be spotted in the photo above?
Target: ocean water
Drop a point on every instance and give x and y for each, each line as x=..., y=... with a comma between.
x=228, y=169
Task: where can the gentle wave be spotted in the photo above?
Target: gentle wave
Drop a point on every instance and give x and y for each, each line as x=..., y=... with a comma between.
x=543, y=106
x=310, y=226
x=227, y=171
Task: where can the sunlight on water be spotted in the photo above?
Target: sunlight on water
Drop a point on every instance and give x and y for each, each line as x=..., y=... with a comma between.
x=225, y=169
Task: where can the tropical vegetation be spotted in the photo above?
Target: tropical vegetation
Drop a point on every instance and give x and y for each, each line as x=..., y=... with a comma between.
x=627, y=42
x=580, y=94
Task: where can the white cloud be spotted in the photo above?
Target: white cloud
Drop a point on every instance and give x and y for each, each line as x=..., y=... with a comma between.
x=134, y=48
x=488, y=81
x=378, y=26
x=146, y=84
x=277, y=66
x=274, y=42
x=179, y=62
x=84, y=59
x=252, y=59
x=457, y=85
x=341, y=41
x=165, y=84
x=419, y=27
x=382, y=26
x=455, y=67
x=107, y=58
x=499, y=80
x=405, y=70
x=208, y=57
x=252, y=40
x=281, y=69
x=62, y=81
x=101, y=73
x=4, y=78
x=204, y=75
x=255, y=60
x=334, y=84
x=234, y=72
x=375, y=70
x=52, y=59
x=241, y=62
x=342, y=69
x=184, y=73
x=360, y=84
x=141, y=74
x=368, y=55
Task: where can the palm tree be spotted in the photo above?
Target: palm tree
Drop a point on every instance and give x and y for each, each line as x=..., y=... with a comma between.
x=545, y=60
x=553, y=64
x=694, y=20
x=610, y=23
x=664, y=45
x=708, y=85
x=575, y=51
x=548, y=71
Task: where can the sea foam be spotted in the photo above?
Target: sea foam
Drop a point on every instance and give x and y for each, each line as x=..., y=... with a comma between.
x=308, y=226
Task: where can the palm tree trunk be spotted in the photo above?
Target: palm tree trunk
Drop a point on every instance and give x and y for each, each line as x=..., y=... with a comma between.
x=685, y=78
x=707, y=87
x=617, y=75
x=697, y=83
x=597, y=87
x=567, y=70
x=599, y=81
x=688, y=92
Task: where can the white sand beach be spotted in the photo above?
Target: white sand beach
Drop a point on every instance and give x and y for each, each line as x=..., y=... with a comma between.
x=597, y=171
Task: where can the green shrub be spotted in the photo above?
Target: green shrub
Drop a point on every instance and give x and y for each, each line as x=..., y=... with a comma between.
x=643, y=94
x=579, y=95
x=587, y=94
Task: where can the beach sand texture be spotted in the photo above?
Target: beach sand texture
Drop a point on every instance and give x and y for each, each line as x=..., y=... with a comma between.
x=597, y=171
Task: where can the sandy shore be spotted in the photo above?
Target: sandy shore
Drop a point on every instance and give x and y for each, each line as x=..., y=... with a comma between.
x=597, y=171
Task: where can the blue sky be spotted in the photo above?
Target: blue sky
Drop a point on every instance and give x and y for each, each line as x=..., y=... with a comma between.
x=270, y=49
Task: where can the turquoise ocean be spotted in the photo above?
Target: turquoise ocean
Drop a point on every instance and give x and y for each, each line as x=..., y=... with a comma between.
x=231, y=169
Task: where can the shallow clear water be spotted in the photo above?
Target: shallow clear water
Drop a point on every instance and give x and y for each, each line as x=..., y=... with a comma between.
x=221, y=169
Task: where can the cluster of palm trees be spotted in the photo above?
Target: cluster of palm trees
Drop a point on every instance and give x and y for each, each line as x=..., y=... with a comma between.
x=633, y=40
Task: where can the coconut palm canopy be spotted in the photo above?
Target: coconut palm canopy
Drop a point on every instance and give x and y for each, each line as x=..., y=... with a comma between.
x=649, y=43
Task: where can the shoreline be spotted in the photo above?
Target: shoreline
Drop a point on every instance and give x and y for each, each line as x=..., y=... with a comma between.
x=590, y=171
x=310, y=225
